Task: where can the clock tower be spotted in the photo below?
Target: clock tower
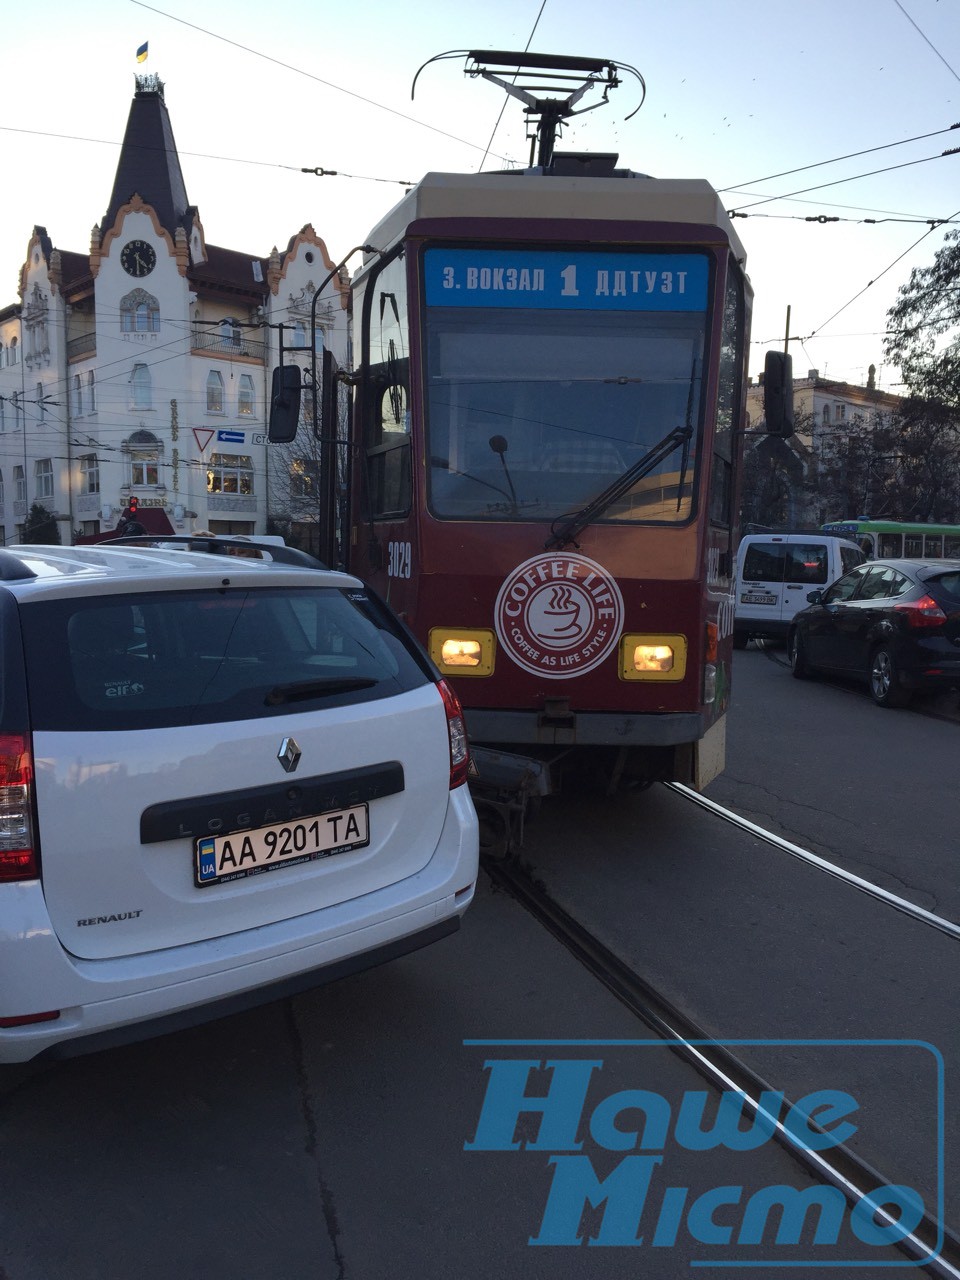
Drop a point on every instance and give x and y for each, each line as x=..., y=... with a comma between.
x=149, y=165
x=157, y=349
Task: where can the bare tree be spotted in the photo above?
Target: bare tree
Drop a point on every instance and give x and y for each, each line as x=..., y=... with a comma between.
x=924, y=327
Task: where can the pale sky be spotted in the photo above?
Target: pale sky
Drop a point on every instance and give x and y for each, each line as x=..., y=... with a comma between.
x=737, y=91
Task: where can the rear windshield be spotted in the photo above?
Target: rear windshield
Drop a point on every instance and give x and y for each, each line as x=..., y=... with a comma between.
x=155, y=660
x=948, y=583
x=795, y=562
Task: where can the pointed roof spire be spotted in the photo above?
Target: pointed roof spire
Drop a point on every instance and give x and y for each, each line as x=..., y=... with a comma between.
x=149, y=164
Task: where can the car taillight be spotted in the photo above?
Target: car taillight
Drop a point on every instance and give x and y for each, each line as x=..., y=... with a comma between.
x=457, y=731
x=924, y=612
x=18, y=855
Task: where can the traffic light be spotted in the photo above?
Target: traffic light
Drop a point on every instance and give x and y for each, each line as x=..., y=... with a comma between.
x=132, y=507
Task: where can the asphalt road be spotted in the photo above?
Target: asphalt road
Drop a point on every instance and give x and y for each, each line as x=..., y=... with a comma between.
x=330, y=1136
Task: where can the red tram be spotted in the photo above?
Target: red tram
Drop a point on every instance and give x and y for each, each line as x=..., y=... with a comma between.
x=544, y=457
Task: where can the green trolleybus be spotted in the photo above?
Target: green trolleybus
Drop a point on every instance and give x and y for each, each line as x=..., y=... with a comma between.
x=895, y=539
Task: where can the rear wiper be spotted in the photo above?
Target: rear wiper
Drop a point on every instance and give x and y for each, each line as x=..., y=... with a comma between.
x=303, y=689
x=576, y=523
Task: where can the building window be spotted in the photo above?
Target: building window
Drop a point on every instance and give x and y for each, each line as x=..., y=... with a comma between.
x=306, y=406
x=77, y=397
x=303, y=477
x=142, y=450
x=41, y=407
x=840, y=412
x=230, y=473
x=89, y=473
x=139, y=313
x=19, y=485
x=230, y=334
x=44, y=478
x=13, y=352
x=144, y=468
x=214, y=392
x=91, y=392
x=246, y=399
x=1, y=488
x=3, y=414
x=141, y=389
x=826, y=415
x=17, y=411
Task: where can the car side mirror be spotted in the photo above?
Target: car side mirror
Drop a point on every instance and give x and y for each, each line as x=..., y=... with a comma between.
x=284, y=404
x=814, y=597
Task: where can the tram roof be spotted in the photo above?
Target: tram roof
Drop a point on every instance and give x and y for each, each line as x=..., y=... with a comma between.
x=534, y=195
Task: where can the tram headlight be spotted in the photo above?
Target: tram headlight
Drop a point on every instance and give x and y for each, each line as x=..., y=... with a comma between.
x=653, y=657
x=462, y=651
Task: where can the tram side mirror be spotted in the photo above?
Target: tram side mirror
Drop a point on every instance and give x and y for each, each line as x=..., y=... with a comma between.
x=284, y=404
x=498, y=444
x=778, y=394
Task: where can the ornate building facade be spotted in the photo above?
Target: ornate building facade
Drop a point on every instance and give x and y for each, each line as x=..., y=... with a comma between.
x=142, y=367
x=783, y=479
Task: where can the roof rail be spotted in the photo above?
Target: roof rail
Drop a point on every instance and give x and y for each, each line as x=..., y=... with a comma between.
x=217, y=544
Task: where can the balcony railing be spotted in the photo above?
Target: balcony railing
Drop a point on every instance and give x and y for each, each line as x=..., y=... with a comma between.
x=85, y=345
x=227, y=344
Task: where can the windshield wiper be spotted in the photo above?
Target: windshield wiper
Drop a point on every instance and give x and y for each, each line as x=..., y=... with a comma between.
x=303, y=689
x=576, y=523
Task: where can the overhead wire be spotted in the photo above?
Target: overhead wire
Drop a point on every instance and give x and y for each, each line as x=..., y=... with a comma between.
x=852, y=155
x=872, y=282
x=840, y=181
x=823, y=219
x=321, y=172
x=503, y=105
x=329, y=84
x=926, y=40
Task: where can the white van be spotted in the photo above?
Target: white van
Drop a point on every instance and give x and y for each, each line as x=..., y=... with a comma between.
x=775, y=572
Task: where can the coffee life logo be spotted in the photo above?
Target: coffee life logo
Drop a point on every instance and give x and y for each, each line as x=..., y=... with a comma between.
x=559, y=615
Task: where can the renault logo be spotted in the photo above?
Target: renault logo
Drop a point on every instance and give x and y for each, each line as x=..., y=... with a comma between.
x=289, y=754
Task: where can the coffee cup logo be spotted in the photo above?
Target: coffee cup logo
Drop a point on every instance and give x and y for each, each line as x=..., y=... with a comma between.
x=559, y=615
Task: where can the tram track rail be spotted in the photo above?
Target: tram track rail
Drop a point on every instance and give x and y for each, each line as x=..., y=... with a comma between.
x=904, y=905
x=933, y=1249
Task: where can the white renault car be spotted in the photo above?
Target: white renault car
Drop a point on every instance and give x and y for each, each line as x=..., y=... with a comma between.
x=222, y=780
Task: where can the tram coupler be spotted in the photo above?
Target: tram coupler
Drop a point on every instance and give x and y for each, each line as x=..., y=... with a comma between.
x=504, y=786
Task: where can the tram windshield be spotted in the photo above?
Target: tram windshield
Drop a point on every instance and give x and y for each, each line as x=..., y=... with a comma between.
x=539, y=399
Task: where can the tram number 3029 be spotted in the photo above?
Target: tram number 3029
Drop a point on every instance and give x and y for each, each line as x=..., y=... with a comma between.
x=399, y=559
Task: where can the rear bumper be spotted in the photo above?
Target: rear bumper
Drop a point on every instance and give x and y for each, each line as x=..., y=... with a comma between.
x=771, y=627
x=586, y=728
x=227, y=1005
x=103, y=1002
x=937, y=672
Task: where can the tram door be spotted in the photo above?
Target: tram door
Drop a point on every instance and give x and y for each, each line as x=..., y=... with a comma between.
x=383, y=548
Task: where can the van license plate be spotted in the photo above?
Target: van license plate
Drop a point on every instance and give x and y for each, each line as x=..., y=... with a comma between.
x=753, y=597
x=248, y=853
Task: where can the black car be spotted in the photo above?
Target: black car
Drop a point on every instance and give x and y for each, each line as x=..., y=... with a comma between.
x=895, y=623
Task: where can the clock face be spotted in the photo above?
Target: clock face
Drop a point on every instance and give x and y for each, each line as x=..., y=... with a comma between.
x=138, y=258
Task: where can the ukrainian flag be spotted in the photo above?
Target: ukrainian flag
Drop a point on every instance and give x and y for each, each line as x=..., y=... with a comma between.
x=142, y=53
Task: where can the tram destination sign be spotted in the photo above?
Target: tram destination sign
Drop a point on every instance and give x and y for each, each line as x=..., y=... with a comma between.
x=559, y=280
